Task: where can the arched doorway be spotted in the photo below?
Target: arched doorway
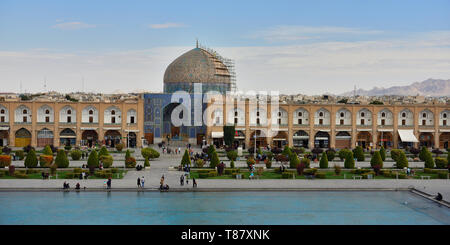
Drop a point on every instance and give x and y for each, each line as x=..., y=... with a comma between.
x=280, y=140
x=44, y=137
x=67, y=137
x=343, y=140
x=322, y=140
x=260, y=139
x=4, y=136
x=131, y=140
x=385, y=139
x=112, y=138
x=170, y=132
x=301, y=139
x=89, y=138
x=426, y=139
x=364, y=139
x=444, y=138
x=23, y=138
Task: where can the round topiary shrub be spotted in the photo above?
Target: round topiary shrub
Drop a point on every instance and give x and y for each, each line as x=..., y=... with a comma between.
x=76, y=155
x=119, y=147
x=441, y=163
x=107, y=161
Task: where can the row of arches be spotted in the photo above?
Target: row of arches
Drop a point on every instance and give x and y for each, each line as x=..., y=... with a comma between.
x=90, y=114
x=68, y=136
x=343, y=139
x=322, y=116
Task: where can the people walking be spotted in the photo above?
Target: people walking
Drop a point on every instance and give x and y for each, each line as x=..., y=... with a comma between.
x=182, y=180
x=194, y=183
x=139, y=182
x=109, y=183
x=142, y=182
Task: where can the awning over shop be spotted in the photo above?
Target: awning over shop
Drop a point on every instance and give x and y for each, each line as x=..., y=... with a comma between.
x=217, y=134
x=407, y=135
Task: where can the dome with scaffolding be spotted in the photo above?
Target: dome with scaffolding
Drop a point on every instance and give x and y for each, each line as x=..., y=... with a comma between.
x=199, y=65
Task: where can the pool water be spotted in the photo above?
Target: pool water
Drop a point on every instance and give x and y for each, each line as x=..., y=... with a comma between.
x=234, y=208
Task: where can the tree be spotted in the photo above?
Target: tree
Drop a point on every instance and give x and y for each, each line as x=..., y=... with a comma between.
x=287, y=151
x=93, y=159
x=349, y=161
x=107, y=161
x=214, y=160
x=211, y=150
x=228, y=135
x=429, y=162
x=359, y=154
x=323, y=161
x=31, y=160
x=103, y=152
x=441, y=162
x=395, y=154
x=232, y=155
x=61, y=159
x=331, y=153
x=376, y=160
x=448, y=160
x=383, y=153
x=47, y=151
x=293, y=161
x=343, y=154
x=402, y=162
x=186, y=160
x=423, y=153
x=127, y=154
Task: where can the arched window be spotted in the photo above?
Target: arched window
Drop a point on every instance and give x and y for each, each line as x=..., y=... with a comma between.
x=24, y=112
x=91, y=112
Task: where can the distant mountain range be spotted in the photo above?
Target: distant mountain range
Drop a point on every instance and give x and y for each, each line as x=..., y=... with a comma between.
x=429, y=87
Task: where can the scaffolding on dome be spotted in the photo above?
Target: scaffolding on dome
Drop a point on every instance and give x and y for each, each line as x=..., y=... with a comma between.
x=229, y=63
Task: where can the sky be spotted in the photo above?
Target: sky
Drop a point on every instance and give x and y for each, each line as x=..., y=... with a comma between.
x=308, y=47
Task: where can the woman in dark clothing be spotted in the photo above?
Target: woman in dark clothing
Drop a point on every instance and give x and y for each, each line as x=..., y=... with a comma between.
x=138, y=182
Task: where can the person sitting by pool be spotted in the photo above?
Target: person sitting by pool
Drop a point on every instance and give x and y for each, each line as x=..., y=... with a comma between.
x=65, y=185
x=439, y=197
x=251, y=175
x=77, y=187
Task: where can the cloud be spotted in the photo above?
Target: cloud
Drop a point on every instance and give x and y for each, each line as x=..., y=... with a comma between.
x=73, y=26
x=166, y=25
x=312, y=68
x=295, y=33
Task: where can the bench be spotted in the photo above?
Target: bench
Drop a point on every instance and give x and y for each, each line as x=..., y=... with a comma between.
x=309, y=176
x=357, y=177
x=425, y=177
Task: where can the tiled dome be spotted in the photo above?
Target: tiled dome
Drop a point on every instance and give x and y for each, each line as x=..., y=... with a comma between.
x=197, y=66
